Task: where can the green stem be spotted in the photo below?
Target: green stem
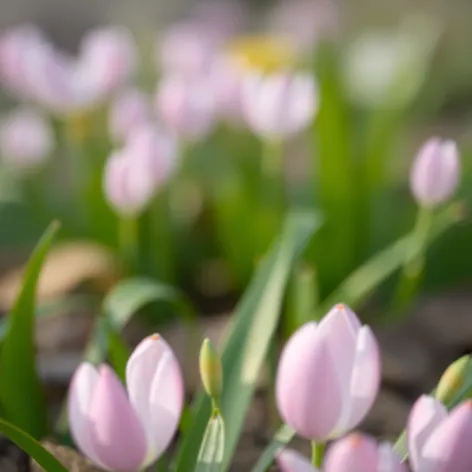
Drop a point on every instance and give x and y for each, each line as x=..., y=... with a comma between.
x=272, y=159
x=128, y=242
x=317, y=453
x=410, y=277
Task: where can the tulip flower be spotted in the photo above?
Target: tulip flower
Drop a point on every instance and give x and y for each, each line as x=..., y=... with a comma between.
x=291, y=461
x=435, y=172
x=328, y=376
x=130, y=111
x=186, y=106
x=26, y=139
x=127, y=433
x=279, y=105
x=107, y=61
x=438, y=442
x=133, y=174
x=360, y=453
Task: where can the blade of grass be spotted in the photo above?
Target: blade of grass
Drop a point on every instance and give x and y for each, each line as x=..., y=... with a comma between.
x=32, y=447
x=21, y=394
x=255, y=321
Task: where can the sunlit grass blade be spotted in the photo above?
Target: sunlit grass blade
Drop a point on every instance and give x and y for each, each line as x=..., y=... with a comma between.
x=210, y=457
x=283, y=436
x=364, y=280
x=21, y=394
x=254, y=325
x=32, y=447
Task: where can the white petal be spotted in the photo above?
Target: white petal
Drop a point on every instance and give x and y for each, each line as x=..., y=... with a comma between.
x=289, y=460
x=156, y=392
x=388, y=459
x=426, y=415
x=80, y=395
x=364, y=381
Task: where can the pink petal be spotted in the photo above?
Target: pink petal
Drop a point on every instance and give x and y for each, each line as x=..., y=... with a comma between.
x=116, y=433
x=289, y=460
x=389, y=460
x=83, y=385
x=364, y=381
x=354, y=453
x=426, y=415
x=307, y=390
x=449, y=446
x=156, y=391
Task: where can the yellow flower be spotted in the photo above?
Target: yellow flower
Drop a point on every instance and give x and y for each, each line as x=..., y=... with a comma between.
x=262, y=53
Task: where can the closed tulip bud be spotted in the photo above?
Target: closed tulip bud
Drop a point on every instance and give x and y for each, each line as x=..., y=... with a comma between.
x=186, y=106
x=438, y=441
x=107, y=61
x=134, y=174
x=291, y=461
x=128, y=112
x=435, y=172
x=360, y=453
x=339, y=360
x=26, y=139
x=127, y=432
x=453, y=380
x=279, y=105
x=210, y=370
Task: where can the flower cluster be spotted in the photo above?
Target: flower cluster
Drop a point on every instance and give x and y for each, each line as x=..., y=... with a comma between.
x=327, y=380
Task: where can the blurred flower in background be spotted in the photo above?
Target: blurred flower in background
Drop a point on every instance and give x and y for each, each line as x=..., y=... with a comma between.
x=388, y=68
x=26, y=139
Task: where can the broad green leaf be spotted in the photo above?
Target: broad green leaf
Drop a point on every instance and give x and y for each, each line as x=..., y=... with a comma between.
x=131, y=295
x=253, y=327
x=210, y=457
x=354, y=290
x=21, y=394
x=118, y=352
x=32, y=447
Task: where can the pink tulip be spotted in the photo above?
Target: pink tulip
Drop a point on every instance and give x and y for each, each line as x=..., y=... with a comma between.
x=439, y=442
x=279, y=105
x=107, y=61
x=127, y=433
x=129, y=111
x=360, y=453
x=134, y=174
x=186, y=106
x=328, y=376
x=26, y=139
x=291, y=461
x=435, y=172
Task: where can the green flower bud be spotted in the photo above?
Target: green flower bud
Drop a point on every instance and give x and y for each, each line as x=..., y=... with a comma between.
x=211, y=370
x=453, y=380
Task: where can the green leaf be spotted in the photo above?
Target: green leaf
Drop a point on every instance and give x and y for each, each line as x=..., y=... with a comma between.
x=364, y=280
x=118, y=352
x=281, y=438
x=21, y=394
x=32, y=447
x=210, y=457
x=354, y=290
x=253, y=328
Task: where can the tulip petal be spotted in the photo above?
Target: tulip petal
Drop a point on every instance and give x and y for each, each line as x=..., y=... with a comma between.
x=364, y=381
x=354, y=453
x=289, y=460
x=388, y=459
x=449, y=446
x=307, y=391
x=117, y=435
x=156, y=391
x=340, y=328
x=82, y=387
x=426, y=415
